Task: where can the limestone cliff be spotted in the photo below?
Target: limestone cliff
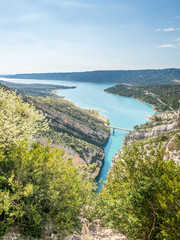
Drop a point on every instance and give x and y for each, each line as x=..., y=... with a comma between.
x=77, y=131
x=162, y=124
x=165, y=127
x=96, y=134
x=80, y=133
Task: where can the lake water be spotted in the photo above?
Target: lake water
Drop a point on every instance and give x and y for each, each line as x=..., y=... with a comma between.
x=121, y=111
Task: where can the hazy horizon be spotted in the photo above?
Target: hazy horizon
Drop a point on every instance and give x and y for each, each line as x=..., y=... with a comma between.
x=90, y=71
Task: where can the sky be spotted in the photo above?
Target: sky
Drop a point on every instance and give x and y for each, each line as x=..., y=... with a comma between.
x=85, y=35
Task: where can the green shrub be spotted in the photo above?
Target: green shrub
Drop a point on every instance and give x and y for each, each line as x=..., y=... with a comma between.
x=18, y=120
x=141, y=197
x=38, y=186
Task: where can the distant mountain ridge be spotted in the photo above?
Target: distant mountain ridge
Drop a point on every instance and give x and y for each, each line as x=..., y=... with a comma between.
x=150, y=76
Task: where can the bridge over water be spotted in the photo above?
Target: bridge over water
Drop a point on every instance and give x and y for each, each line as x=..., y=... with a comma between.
x=129, y=130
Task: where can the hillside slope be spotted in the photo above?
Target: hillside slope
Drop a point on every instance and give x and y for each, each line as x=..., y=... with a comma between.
x=162, y=97
x=152, y=76
x=73, y=127
x=35, y=89
x=79, y=132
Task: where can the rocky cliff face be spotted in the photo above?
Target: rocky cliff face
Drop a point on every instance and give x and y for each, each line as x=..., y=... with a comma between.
x=81, y=140
x=150, y=132
x=165, y=126
x=62, y=122
x=78, y=132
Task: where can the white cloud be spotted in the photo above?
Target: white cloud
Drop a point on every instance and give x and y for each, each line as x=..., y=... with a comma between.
x=166, y=46
x=169, y=29
x=178, y=39
x=178, y=44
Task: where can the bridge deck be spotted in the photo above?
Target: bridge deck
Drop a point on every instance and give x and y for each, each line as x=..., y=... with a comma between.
x=119, y=128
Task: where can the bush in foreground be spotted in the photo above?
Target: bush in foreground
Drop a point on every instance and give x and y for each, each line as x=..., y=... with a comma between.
x=38, y=187
x=141, y=197
x=18, y=120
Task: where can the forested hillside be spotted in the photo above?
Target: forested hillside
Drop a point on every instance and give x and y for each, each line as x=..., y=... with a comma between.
x=35, y=89
x=144, y=77
x=162, y=97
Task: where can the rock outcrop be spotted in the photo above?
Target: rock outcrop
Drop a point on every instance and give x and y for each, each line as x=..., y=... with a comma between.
x=90, y=231
x=64, y=123
x=148, y=133
x=165, y=126
x=96, y=231
x=159, y=124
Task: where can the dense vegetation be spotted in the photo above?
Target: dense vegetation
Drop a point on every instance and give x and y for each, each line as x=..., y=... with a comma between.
x=40, y=190
x=141, y=197
x=38, y=187
x=168, y=94
x=164, y=76
x=18, y=120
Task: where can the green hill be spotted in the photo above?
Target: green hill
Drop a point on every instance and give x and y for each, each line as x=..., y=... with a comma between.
x=160, y=96
x=35, y=89
x=151, y=76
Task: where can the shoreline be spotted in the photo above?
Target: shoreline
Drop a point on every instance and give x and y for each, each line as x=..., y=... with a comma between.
x=153, y=106
x=94, y=112
x=134, y=98
x=101, y=117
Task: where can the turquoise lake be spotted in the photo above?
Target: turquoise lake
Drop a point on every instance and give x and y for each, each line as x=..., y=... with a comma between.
x=121, y=111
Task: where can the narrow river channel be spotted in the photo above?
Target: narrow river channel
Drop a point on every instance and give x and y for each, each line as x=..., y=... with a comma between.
x=122, y=112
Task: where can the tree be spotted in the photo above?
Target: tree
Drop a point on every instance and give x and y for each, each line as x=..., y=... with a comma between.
x=18, y=120
x=141, y=197
x=38, y=187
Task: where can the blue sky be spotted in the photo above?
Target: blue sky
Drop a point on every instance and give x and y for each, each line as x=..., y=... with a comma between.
x=82, y=35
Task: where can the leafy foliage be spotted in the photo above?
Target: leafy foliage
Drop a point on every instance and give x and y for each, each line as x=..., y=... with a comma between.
x=38, y=186
x=18, y=120
x=141, y=197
